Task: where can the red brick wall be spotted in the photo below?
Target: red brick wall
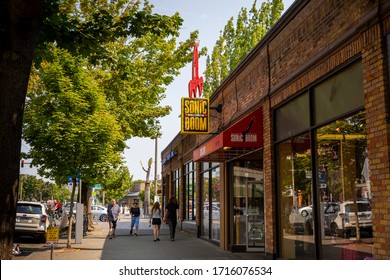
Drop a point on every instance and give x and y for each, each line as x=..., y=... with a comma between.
x=376, y=90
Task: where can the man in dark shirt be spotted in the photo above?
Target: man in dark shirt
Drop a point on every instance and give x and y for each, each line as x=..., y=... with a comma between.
x=171, y=216
x=135, y=212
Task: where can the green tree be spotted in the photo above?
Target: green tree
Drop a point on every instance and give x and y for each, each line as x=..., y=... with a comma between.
x=67, y=122
x=117, y=183
x=236, y=41
x=32, y=188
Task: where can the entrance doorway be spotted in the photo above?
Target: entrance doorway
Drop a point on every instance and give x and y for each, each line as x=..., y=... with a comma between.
x=254, y=209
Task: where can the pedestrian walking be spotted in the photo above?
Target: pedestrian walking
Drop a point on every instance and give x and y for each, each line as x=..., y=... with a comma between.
x=155, y=220
x=171, y=216
x=113, y=215
x=135, y=212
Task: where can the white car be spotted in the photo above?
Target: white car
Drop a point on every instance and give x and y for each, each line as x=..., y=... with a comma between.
x=344, y=222
x=99, y=212
x=32, y=219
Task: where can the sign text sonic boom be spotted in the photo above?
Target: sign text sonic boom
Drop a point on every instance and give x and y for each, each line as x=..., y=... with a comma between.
x=195, y=115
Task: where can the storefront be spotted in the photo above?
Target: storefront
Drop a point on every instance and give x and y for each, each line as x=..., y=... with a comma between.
x=231, y=178
x=322, y=167
x=296, y=164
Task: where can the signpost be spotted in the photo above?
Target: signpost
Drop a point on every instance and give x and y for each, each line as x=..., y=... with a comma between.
x=52, y=237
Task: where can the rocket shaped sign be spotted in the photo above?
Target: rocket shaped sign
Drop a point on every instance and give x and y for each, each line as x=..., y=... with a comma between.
x=195, y=110
x=196, y=84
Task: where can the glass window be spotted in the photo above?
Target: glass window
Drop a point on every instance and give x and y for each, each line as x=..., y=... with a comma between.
x=243, y=173
x=339, y=94
x=190, y=195
x=214, y=209
x=211, y=202
x=206, y=204
x=176, y=184
x=344, y=189
x=292, y=118
x=295, y=189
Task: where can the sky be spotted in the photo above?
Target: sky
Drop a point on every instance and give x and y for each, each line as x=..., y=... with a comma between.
x=209, y=17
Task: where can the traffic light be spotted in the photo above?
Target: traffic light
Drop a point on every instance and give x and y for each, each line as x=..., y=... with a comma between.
x=22, y=163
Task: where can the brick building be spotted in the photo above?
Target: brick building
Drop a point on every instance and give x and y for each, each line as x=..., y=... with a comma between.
x=300, y=142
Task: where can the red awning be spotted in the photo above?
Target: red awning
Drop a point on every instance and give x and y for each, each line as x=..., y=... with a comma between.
x=244, y=136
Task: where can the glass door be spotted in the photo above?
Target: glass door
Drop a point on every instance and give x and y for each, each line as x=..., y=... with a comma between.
x=255, y=237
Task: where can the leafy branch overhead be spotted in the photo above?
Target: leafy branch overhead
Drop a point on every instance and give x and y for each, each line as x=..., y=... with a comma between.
x=84, y=27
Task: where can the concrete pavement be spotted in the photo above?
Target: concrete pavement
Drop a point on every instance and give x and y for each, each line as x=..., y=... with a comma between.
x=96, y=246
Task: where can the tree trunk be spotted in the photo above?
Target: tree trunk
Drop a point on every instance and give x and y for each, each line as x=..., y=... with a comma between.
x=19, y=28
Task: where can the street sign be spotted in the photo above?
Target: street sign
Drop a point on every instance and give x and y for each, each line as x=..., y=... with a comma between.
x=69, y=179
x=52, y=236
x=96, y=187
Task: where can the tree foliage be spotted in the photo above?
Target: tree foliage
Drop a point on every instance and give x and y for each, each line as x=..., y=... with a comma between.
x=116, y=183
x=33, y=188
x=237, y=40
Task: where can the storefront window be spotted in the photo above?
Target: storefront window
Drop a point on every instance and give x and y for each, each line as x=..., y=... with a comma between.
x=330, y=96
x=190, y=191
x=344, y=189
x=176, y=184
x=294, y=173
x=211, y=202
x=244, y=198
x=293, y=118
x=337, y=212
x=214, y=209
x=206, y=203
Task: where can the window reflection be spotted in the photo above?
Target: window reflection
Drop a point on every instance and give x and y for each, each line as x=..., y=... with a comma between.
x=295, y=190
x=345, y=192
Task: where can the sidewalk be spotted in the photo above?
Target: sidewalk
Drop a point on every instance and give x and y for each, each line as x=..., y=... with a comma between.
x=96, y=246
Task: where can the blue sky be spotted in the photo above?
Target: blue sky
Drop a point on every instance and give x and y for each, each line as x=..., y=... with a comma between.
x=209, y=18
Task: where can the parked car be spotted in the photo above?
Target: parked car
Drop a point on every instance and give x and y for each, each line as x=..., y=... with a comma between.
x=306, y=210
x=344, y=223
x=32, y=219
x=99, y=212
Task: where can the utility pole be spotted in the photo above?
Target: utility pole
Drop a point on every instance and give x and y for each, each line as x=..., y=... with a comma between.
x=155, y=170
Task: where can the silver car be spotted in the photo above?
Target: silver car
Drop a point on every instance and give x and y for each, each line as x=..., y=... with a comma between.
x=99, y=212
x=32, y=219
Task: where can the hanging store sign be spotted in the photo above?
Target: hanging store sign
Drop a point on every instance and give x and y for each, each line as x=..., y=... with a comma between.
x=195, y=115
x=195, y=109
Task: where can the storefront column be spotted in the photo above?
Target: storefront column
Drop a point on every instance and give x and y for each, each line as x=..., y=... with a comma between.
x=224, y=208
x=269, y=191
x=376, y=92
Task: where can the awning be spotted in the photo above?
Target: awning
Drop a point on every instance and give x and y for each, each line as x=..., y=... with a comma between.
x=243, y=137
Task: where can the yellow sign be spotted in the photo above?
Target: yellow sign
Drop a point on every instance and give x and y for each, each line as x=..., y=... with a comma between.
x=195, y=115
x=52, y=234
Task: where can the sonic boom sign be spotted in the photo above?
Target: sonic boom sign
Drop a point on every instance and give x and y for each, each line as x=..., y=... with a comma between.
x=195, y=111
